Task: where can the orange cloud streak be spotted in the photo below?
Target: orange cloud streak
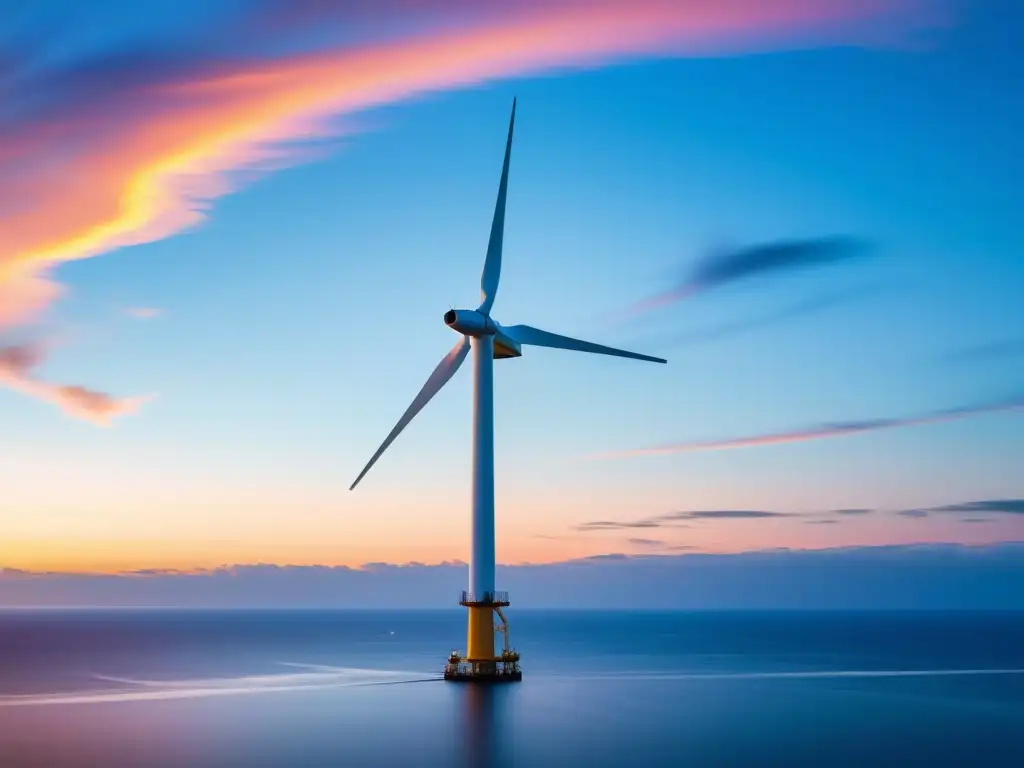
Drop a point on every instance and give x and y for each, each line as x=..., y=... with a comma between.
x=16, y=366
x=157, y=155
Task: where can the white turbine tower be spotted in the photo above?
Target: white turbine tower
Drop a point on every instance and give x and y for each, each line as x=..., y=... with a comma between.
x=489, y=341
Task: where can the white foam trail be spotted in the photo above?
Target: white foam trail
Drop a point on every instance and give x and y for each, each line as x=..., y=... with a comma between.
x=351, y=670
x=100, y=697
x=323, y=675
x=797, y=675
x=162, y=690
x=342, y=677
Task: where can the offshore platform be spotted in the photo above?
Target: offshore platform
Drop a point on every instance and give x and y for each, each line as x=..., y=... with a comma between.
x=489, y=341
x=480, y=663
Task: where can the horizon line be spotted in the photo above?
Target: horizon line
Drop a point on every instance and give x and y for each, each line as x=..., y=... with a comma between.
x=368, y=567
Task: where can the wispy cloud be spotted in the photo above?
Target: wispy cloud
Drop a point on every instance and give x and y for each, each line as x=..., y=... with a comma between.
x=24, y=292
x=618, y=525
x=997, y=506
x=1002, y=349
x=146, y=141
x=827, y=517
x=988, y=506
x=760, y=260
x=143, y=313
x=672, y=519
x=652, y=543
x=658, y=545
x=823, y=431
x=17, y=366
x=726, y=514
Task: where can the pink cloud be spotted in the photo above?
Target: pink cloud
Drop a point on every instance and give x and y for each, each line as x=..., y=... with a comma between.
x=823, y=431
x=143, y=313
x=143, y=154
x=17, y=364
x=24, y=294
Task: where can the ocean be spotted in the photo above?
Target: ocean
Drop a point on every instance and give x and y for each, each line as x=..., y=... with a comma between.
x=109, y=688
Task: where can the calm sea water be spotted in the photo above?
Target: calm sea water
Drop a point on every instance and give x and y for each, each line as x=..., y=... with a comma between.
x=344, y=688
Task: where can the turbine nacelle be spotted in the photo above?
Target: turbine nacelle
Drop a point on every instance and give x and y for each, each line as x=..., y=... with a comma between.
x=470, y=322
x=474, y=323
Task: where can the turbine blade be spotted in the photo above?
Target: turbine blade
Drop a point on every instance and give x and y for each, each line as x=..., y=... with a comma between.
x=492, y=264
x=444, y=371
x=526, y=334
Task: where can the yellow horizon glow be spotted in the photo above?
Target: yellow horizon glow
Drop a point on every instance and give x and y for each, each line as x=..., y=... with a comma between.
x=68, y=555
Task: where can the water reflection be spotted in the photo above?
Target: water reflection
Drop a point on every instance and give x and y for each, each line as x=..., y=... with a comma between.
x=183, y=689
x=487, y=726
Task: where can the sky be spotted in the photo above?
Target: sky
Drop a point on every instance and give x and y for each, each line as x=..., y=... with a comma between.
x=229, y=230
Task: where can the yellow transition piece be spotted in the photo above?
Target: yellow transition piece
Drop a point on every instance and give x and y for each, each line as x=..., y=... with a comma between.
x=480, y=642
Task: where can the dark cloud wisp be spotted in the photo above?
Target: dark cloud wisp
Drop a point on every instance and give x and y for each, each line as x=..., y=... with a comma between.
x=763, y=259
x=970, y=508
x=726, y=514
x=617, y=525
x=658, y=545
x=995, y=506
x=779, y=256
x=672, y=519
x=830, y=517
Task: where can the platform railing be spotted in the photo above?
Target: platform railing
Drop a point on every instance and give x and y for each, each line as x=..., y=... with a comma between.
x=498, y=671
x=484, y=598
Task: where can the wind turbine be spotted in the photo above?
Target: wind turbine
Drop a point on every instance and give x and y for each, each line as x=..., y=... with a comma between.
x=489, y=341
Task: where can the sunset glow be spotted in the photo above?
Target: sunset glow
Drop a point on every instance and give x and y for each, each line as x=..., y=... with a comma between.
x=205, y=397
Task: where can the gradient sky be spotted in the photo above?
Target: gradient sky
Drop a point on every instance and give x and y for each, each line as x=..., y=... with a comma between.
x=229, y=231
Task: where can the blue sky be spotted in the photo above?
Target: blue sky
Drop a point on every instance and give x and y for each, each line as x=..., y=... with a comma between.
x=301, y=316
